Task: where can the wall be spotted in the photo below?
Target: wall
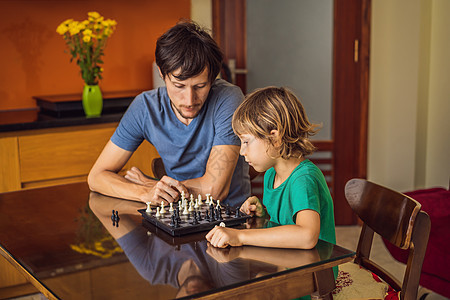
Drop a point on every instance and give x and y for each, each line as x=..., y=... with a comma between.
x=32, y=53
x=293, y=49
x=409, y=144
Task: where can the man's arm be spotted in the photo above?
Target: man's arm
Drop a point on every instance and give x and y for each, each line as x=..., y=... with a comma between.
x=219, y=171
x=104, y=178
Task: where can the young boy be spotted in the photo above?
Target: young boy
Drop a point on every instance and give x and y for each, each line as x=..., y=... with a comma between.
x=274, y=132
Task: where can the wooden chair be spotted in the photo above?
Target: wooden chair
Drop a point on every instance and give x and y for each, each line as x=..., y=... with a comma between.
x=397, y=218
x=159, y=171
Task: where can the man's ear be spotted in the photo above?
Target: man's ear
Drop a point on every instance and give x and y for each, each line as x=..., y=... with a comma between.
x=160, y=73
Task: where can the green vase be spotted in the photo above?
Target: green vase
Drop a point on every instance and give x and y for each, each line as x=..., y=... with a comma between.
x=92, y=101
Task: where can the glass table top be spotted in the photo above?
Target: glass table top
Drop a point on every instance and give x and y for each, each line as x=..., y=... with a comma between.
x=65, y=238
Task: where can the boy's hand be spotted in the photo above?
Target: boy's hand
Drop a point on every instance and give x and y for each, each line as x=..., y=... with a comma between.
x=253, y=207
x=222, y=237
x=223, y=255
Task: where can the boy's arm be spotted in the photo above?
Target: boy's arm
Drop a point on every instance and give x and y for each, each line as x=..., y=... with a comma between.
x=104, y=178
x=303, y=235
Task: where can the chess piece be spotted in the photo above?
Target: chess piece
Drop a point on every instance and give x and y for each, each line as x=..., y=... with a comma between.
x=113, y=218
x=199, y=200
x=172, y=222
x=158, y=213
x=171, y=207
x=191, y=206
x=162, y=210
x=207, y=198
x=149, y=208
x=238, y=213
x=222, y=224
x=218, y=204
x=228, y=211
x=117, y=218
x=185, y=210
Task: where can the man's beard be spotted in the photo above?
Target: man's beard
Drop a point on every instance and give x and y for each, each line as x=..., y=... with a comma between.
x=181, y=113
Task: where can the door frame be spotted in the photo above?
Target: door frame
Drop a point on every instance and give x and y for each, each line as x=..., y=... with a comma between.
x=351, y=44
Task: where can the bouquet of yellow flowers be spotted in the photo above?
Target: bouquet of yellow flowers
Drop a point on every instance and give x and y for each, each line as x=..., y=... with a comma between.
x=86, y=41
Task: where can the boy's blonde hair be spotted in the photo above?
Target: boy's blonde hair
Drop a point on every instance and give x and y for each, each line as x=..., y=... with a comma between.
x=274, y=108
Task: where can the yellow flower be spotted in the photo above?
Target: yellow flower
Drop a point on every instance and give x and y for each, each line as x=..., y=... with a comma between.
x=87, y=35
x=64, y=27
x=93, y=15
x=86, y=40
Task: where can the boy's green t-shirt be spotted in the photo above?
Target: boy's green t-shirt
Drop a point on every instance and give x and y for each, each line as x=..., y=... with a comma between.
x=305, y=188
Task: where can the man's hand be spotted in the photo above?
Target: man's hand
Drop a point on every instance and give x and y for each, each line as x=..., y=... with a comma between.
x=222, y=237
x=167, y=189
x=253, y=207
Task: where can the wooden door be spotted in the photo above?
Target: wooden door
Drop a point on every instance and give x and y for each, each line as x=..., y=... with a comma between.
x=351, y=40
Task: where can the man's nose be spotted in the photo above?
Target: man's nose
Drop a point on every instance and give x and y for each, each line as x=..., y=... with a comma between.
x=189, y=96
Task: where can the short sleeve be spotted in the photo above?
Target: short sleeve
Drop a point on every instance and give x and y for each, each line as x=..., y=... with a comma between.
x=130, y=132
x=305, y=194
x=229, y=100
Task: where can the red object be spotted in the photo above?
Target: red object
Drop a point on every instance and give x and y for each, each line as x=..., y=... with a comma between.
x=436, y=265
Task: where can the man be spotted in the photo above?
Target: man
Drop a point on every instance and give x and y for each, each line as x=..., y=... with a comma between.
x=188, y=122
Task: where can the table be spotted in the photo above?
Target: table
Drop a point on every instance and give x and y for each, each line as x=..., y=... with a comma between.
x=62, y=240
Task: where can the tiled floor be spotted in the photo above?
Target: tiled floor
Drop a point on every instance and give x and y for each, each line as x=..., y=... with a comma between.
x=347, y=237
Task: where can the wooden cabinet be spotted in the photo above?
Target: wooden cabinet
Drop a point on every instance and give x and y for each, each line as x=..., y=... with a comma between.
x=45, y=157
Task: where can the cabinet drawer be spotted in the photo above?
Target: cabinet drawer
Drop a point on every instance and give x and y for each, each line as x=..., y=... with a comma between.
x=60, y=155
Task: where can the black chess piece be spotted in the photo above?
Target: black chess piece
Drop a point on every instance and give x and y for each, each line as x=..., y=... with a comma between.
x=219, y=214
x=172, y=222
x=117, y=218
x=199, y=215
x=228, y=211
x=195, y=220
x=207, y=217
x=113, y=218
x=177, y=223
x=238, y=213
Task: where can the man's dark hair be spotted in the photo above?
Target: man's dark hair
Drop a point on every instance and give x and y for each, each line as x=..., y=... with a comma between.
x=190, y=48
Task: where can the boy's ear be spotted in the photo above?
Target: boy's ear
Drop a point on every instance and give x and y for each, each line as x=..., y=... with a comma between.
x=275, y=137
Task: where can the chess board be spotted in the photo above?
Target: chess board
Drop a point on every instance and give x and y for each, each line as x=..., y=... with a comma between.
x=186, y=223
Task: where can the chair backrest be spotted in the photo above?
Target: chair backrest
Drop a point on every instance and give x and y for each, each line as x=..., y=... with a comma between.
x=158, y=168
x=397, y=218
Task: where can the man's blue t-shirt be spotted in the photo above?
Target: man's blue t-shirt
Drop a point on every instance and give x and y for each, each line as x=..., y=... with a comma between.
x=185, y=149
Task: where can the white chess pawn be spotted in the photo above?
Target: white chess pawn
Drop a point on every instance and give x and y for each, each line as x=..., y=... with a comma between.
x=185, y=210
x=196, y=204
x=163, y=210
x=218, y=204
x=171, y=207
x=191, y=206
x=158, y=214
x=200, y=203
x=207, y=198
x=149, y=208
